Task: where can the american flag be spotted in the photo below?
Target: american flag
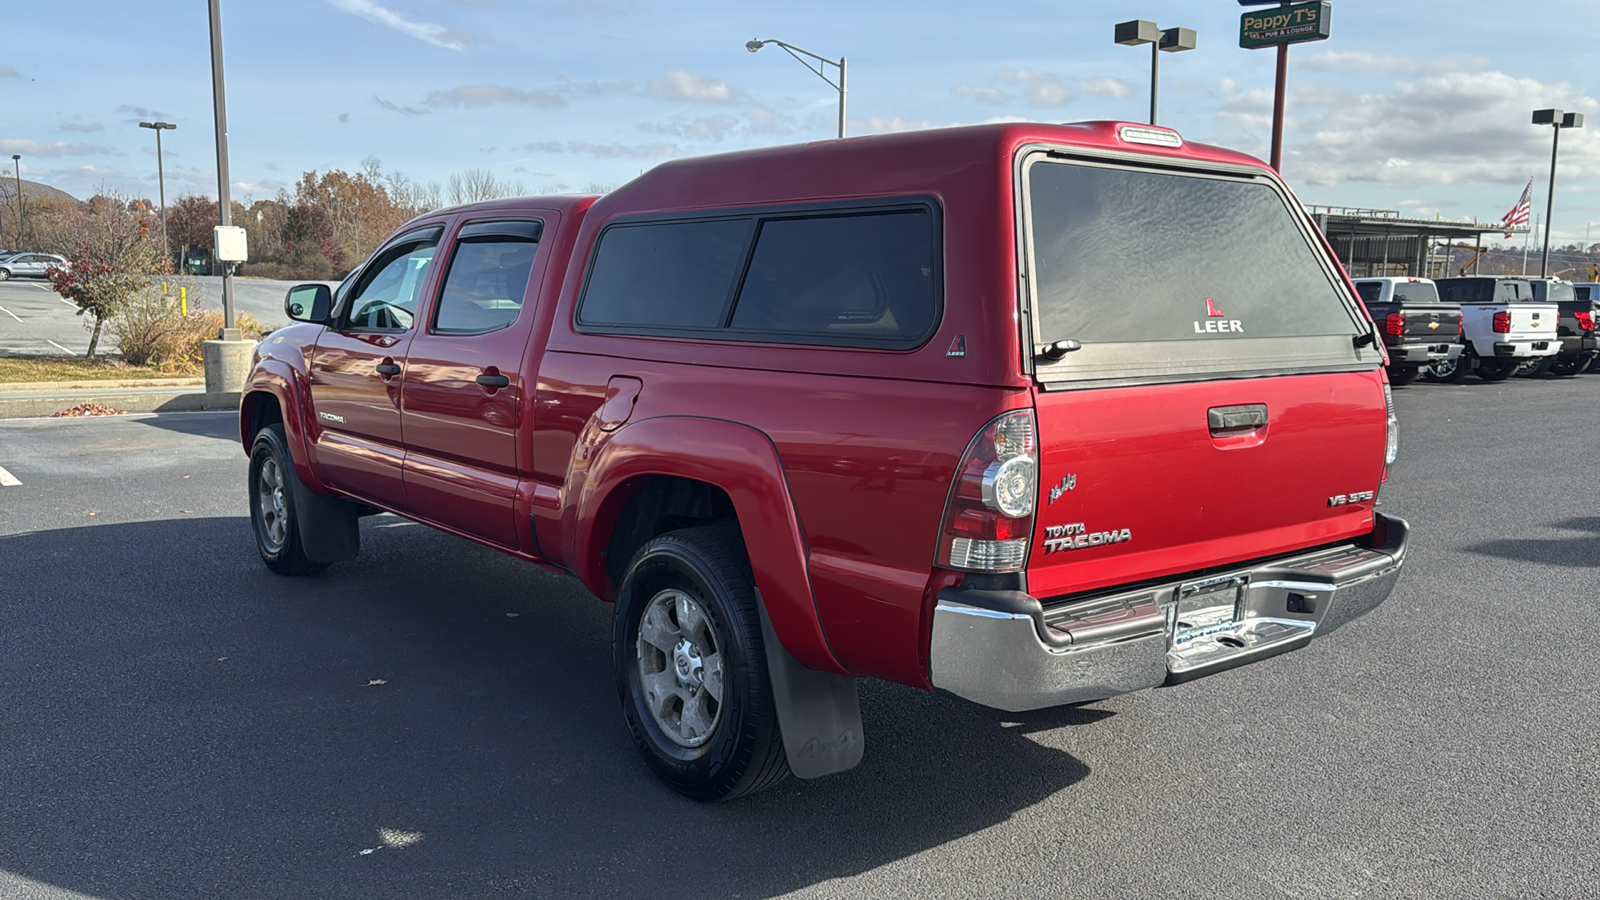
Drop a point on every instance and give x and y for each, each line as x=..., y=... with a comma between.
x=1519, y=213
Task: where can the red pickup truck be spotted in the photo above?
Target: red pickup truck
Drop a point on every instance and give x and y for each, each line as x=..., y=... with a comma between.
x=1029, y=414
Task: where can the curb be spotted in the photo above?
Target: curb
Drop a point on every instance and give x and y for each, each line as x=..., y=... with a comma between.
x=37, y=404
x=96, y=386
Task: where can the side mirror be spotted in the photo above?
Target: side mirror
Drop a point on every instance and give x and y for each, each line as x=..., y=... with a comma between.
x=309, y=303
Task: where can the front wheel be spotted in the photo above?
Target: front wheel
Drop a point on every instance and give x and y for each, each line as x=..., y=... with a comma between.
x=691, y=667
x=272, y=509
x=4, y=274
x=1497, y=369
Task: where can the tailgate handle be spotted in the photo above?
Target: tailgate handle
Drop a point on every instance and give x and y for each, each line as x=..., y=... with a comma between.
x=1230, y=419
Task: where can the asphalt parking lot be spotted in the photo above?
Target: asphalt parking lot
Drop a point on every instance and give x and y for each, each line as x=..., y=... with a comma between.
x=36, y=321
x=435, y=720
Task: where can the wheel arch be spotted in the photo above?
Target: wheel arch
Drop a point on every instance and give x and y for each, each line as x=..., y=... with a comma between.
x=275, y=392
x=685, y=467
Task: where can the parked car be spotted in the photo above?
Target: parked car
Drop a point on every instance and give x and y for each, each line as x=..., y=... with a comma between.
x=31, y=265
x=1502, y=324
x=1575, y=327
x=1418, y=328
x=800, y=415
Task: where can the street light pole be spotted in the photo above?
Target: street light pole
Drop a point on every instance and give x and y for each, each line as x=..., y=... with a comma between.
x=224, y=202
x=161, y=182
x=841, y=64
x=1557, y=120
x=1169, y=40
x=16, y=162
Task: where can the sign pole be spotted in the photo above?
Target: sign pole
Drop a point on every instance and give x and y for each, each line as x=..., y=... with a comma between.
x=1277, y=108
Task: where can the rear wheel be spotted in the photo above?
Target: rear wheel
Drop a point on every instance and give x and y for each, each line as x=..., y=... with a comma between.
x=1496, y=369
x=691, y=667
x=4, y=274
x=1569, y=365
x=1449, y=370
x=272, y=509
x=1399, y=375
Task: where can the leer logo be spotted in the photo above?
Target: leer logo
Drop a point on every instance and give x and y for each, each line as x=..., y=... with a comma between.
x=1215, y=323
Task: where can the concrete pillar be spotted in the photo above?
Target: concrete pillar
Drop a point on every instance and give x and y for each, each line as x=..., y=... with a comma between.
x=227, y=361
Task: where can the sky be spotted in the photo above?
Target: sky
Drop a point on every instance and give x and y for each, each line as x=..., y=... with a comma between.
x=1411, y=106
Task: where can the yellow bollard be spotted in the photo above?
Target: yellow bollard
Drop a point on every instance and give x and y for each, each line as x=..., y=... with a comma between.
x=164, y=291
x=183, y=300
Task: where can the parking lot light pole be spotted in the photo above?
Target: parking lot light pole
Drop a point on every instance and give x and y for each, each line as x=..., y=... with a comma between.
x=1557, y=120
x=161, y=182
x=797, y=53
x=16, y=162
x=1168, y=40
x=224, y=203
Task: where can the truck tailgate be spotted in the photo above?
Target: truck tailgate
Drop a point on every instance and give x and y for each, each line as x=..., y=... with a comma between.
x=1429, y=321
x=1532, y=321
x=1152, y=481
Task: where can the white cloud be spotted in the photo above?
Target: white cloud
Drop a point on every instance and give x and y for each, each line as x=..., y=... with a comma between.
x=1039, y=88
x=605, y=151
x=80, y=127
x=1115, y=88
x=981, y=93
x=888, y=124
x=1362, y=62
x=8, y=72
x=706, y=128
x=58, y=148
x=679, y=84
x=489, y=94
x=437, y=35
x=397, y=108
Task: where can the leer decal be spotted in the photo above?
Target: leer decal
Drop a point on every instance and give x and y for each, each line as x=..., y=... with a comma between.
x=1215, y=322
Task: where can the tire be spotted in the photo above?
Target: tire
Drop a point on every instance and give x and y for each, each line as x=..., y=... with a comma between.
x=1496, y=369
x=1566, y=366
x=1451, y=371
x=691, y=667
x=1401, y=375
x=1533, y=368
x=5, y=274
x=272, y=511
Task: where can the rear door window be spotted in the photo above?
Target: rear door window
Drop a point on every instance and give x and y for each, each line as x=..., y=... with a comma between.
x=1160, y=274
x=665, y=275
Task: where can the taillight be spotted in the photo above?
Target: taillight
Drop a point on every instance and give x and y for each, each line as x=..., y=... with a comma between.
x=1391, y=438
x=1395, y=324
x=989, y=519
x=1502, y=322
x=1461, y=326
x=1585, y=320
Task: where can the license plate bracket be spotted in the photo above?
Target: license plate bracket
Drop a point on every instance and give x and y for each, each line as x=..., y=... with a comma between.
x=1206, y=607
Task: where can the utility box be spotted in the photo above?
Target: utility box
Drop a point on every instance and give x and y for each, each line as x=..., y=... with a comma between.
x=230, y=244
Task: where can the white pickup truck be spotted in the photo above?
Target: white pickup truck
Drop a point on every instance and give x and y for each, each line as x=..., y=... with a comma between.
x=1502, y=325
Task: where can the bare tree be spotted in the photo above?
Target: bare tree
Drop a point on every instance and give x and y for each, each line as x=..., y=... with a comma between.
x=474, y=185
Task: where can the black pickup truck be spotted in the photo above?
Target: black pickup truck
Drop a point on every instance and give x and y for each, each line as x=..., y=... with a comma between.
x=1418, y=328
x=1575, y=327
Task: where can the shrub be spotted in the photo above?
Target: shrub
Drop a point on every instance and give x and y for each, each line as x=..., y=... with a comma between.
x=152, y=331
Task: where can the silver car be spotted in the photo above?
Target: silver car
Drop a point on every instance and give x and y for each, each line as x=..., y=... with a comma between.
x=31, y=265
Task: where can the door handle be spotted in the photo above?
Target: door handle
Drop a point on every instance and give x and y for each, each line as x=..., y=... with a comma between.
x=387, y=369
x=1225, y=420
x=494, y=381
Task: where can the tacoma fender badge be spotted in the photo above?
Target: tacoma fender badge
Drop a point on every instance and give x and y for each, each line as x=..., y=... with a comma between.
x=331, y=417
x=1067, y=484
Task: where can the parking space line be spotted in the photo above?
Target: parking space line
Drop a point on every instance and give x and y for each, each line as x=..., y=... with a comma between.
x=9, y=313
x=57, y=346
x=7, y=479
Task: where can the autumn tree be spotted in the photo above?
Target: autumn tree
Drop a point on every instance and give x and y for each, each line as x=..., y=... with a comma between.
x=113, y=252
x=190, y=221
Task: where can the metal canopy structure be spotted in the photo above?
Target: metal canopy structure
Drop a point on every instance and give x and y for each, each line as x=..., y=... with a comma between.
x=1381, y=242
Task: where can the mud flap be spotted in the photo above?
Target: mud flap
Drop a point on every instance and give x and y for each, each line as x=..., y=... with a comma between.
x=819, y=714
x=330, y=529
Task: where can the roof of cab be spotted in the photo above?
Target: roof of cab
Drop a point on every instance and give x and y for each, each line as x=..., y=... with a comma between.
x=876, y=165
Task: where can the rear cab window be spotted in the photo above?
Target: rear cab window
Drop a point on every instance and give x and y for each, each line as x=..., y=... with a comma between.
x=1415, y=292
x=864, y=276
x=1167, y=275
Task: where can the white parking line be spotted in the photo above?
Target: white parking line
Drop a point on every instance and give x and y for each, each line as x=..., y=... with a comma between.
x=7, y=479
x=9, y=313
x=57, y=346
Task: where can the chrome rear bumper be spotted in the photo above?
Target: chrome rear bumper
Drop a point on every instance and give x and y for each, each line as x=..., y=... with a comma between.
x=1006, y=650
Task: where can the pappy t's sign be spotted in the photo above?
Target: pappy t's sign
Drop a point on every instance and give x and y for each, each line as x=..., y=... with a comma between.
x=1285, y=25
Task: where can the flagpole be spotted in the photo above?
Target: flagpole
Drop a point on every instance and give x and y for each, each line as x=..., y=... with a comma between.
x=1525, y=239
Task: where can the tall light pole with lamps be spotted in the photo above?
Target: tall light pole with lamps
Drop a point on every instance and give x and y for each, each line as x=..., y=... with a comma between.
x=1557, y=120
x=161, y=181
x=16, y=162
x=797, y=53
x=1170, y=40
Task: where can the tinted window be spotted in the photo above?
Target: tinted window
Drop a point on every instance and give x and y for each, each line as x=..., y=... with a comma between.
x=1415, y=292
x=1467, y=290
x=862, y=276
x=668, y=275
x=1555, y=291
x=1370, y=291
x=484, y=287
x=387, y=300
x=1137, y=256
x=1583, y=292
